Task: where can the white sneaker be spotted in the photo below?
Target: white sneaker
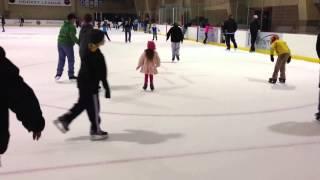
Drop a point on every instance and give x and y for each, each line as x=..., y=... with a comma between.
x=98, y=136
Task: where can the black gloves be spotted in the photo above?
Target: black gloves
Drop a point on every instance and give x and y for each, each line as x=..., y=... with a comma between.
x=289, y=60
x=107, y=89
x=272, y=58
x=108, y=94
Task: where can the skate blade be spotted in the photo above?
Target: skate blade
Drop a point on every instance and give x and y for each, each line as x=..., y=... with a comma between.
x=59, y=126
x=98, y=137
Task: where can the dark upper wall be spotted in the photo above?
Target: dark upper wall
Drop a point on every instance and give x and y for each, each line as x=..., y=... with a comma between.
x=45, y=12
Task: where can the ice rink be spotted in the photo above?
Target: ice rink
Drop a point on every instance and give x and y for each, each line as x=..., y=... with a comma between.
x=213, y=116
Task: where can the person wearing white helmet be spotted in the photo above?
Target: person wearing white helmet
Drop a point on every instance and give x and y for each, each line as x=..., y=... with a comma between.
x=254, y=29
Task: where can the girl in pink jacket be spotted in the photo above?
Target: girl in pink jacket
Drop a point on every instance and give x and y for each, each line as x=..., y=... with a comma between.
x=148, y=62
x=206, y=31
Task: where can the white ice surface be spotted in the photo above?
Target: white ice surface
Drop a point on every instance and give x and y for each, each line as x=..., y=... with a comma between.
x=213, y=116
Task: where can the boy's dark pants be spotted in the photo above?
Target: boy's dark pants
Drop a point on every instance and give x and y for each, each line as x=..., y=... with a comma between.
x=89, y=102
x=281, y=66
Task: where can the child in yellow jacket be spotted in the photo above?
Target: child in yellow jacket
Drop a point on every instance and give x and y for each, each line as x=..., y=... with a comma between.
x=284, y=56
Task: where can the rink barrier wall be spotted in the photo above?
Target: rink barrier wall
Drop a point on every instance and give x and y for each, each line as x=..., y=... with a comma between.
x=31, y=22
x=302, y=46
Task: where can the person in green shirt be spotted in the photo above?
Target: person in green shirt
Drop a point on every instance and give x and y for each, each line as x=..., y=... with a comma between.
x=66, y=40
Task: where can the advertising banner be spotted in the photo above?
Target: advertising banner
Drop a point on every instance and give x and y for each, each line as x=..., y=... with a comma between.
x=41, y=2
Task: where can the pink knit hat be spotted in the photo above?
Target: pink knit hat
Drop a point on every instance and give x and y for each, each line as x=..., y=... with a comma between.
x=151, y=45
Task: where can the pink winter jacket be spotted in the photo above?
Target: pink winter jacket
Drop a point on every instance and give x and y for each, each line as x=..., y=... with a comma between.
x=206, y=29
x=147, y=66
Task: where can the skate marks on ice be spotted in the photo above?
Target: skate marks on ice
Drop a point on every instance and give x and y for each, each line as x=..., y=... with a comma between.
x=225, y=114
x=303, y=129
x=156, y=157
x=125, y=87
x=284, y=87
x=135, y=136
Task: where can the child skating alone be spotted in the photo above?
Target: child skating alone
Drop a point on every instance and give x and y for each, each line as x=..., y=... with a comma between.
x=149, y=62
x=92, y=71
x=284, y=56
x=105, y=29
x=154, y=32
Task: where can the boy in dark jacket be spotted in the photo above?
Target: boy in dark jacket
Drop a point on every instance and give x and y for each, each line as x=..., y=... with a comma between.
x=92, y=71
x=17, y=96
x=176, y=37
x=229, y=29
x=84, y=34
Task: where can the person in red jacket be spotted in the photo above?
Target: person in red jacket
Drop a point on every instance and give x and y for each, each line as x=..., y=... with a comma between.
x=17, y=96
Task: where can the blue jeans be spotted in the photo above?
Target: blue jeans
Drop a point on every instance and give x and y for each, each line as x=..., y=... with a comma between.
x=65, y=51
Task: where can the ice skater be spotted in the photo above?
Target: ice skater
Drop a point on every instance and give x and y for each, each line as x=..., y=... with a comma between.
x=128, y=27
x=21, y=21
x=254, y=30
x=176, y=38
x=3, y=23
x=17, y=96
x=66, y=40
x=105, y=29
x=154, y=32
x=148, y=63
x=284, y=56
x=93, y=71
x=318, y=52
x=229, y=29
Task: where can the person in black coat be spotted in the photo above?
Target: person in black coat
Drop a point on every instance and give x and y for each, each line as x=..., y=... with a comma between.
x=318, y=46
x=92, y=71
x=17, y=96
x=254, y=29
x=176, y=38
x=229, y=29
x=318, y=52
x=128, y=27
x=3, y=22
